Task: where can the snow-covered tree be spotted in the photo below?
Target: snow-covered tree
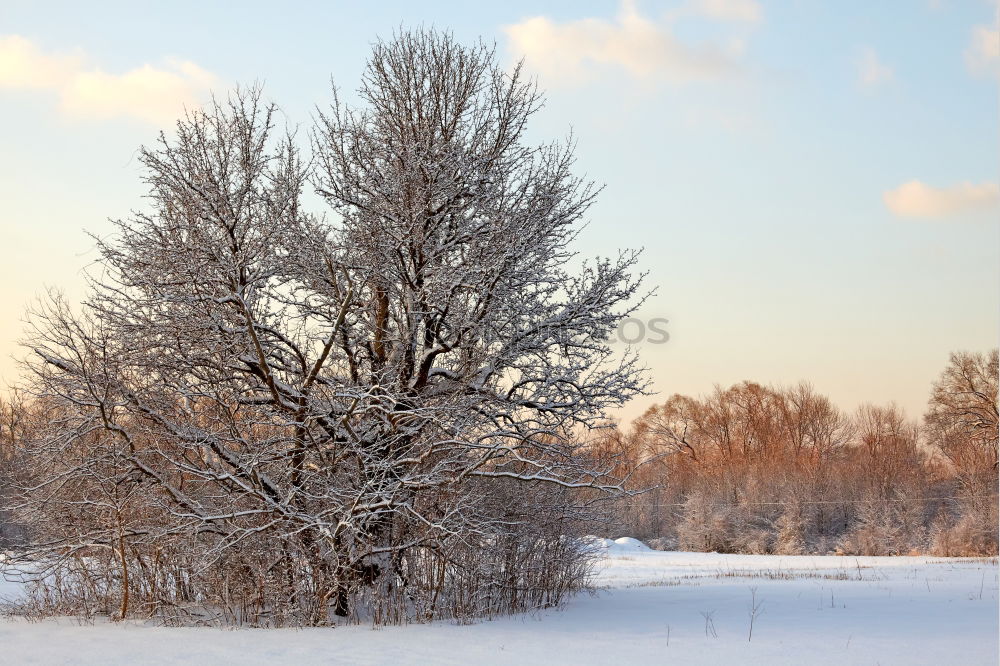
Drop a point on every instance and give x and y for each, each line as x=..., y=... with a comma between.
x=279, y=416
x=961, y=424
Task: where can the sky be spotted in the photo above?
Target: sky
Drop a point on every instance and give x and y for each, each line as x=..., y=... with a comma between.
x=814, y=183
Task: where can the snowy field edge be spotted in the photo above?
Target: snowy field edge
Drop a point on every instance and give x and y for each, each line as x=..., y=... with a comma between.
x=648, y=607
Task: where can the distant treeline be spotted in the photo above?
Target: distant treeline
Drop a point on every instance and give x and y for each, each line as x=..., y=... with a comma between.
x=755, y=469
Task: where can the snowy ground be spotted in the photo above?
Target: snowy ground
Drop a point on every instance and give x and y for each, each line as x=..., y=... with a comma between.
x=651, y=608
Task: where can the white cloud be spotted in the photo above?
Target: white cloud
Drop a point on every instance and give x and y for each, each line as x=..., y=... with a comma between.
x=983, y=52
x=917, y=199
x=871, y=71
x=149, y=93
x=728, y=10
x=23, y=65
x=644, y=49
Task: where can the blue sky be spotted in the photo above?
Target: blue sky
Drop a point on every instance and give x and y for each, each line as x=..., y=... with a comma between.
x=814, y=183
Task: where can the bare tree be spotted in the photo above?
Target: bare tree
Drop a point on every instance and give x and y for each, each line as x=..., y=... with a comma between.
x=961, y=424
x=14, y=425
x=759, y=469
x=281, y=416
x=962, y=417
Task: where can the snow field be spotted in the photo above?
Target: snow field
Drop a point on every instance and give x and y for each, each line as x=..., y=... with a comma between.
x=649, y=607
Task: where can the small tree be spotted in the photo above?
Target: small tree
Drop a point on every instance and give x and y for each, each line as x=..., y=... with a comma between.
x=366, y=415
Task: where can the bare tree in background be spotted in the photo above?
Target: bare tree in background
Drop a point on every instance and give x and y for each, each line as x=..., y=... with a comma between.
x=271, y=417
x=961, y=423
x=15, y=416
x=890, y=479
x=757, y=469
